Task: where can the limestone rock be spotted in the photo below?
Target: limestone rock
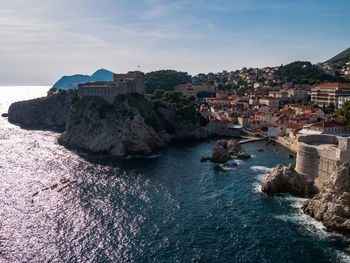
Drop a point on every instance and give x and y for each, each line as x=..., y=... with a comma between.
x=287, y=180
x=225, y=150
x=332, y=204
x=220, y=155
x=130, y=125
x=48, y=112
x=95, y=126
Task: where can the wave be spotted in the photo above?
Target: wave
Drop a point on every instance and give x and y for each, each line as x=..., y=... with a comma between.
x=257, y=168
x=238, y=161
x=342, y=256
x=311, y=225
x=225, y=167
x=256, y=187
x=260, y=177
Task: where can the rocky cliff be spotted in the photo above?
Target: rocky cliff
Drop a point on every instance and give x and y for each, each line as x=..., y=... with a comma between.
x=130, y=125
x=47, y=112
x=331, y=205
x=287, y=180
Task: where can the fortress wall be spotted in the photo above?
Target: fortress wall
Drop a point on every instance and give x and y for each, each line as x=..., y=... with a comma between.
x=106, y=92
x=317, y=164
x=326, y=166
x=306, y=161
x=318, y=156
x=136, y=77
x=133, y=81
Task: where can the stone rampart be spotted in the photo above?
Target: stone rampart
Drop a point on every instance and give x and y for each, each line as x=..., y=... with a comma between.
x=122, y=84
x=318, y=156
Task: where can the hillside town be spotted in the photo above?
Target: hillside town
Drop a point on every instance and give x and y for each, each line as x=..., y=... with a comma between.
x=259, y=102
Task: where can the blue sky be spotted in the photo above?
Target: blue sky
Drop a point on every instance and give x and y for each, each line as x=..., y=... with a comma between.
x=41, y=40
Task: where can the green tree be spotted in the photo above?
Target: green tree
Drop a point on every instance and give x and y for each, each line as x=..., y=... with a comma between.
x=165, y=80
x=344, y=112
x=303, y=72
x=51, y=91
x=330, y=108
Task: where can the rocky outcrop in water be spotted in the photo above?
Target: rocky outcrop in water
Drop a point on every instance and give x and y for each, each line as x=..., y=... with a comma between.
x=332, y=204
x=226, y=150
x=287, y=180
x=130, y=125
x=47, y=112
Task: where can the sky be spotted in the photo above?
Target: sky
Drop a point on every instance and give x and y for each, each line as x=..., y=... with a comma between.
x=42, y=40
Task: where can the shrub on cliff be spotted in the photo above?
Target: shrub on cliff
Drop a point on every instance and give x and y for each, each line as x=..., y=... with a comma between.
x=51, y=91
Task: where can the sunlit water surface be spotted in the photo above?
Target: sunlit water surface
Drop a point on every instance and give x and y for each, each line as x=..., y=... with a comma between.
x=169, y=207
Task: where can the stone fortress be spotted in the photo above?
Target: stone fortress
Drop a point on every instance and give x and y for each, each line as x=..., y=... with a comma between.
x=133, y=81
x=319, y=155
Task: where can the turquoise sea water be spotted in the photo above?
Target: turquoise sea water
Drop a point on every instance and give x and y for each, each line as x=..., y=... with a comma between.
x=168, y=207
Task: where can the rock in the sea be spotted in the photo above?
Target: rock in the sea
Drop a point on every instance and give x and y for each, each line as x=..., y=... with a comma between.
x=287, y=180
x=332, y=204
x=225, y=150
x=220, y=155
x=4, y=115
x=48, y=112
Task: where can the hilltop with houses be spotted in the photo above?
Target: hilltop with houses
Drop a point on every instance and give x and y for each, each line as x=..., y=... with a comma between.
x=277, y=102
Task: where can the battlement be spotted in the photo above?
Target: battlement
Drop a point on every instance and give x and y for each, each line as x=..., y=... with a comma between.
x=319, y=154
x=133, y=81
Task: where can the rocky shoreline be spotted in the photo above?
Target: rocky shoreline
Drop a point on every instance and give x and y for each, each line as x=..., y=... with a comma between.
x=132, y=125
x=46, y=112
x=330, y=205
x=129, y=125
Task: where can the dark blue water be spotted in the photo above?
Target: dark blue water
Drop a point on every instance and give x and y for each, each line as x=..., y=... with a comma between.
x=166, y=208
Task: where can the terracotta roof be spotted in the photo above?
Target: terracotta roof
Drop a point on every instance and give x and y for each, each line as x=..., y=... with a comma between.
x=328, y=124
x=335, y=85
x=293, y=126
x=219, y=100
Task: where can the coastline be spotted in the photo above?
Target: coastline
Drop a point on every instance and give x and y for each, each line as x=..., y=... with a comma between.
x=289, y=144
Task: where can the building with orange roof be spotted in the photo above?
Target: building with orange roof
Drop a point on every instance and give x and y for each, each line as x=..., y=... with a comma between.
x=327, y=93
x=333, y=126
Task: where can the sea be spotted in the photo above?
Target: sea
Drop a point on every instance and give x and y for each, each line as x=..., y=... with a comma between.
x=58, y=205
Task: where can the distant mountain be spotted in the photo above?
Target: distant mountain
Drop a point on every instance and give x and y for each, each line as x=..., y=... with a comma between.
x=341, y=57
x=71, y=82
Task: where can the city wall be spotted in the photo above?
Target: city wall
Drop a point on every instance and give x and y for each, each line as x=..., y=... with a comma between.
x=318, y=156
